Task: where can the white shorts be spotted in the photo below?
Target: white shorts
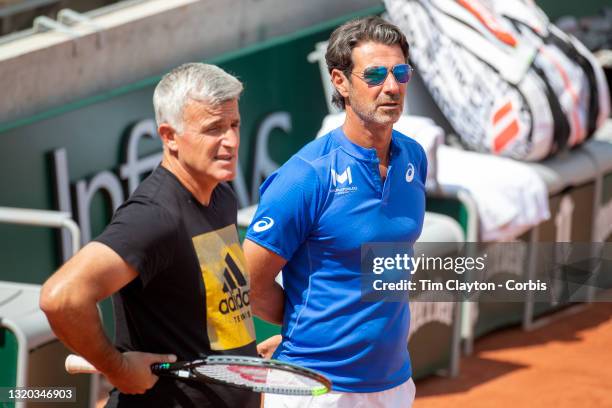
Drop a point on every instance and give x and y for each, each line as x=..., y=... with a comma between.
x=401, y=396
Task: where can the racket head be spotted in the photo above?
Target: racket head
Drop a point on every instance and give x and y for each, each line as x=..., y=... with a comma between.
x=260, y=375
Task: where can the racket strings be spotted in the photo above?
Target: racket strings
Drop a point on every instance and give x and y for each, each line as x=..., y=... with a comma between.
x=261, y=377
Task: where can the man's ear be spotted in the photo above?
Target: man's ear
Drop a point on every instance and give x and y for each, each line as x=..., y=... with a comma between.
x=168, y=136
x=340, y=82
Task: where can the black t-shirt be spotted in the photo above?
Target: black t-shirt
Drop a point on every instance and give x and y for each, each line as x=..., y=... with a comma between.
x=191, y=296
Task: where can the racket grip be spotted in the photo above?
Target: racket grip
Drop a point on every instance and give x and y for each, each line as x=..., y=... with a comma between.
x=163, y=368
x=78, y=365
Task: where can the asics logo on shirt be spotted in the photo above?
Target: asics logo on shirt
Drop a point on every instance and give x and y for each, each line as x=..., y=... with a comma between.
x=341, y=178
x=263, y=225
x=410, y=173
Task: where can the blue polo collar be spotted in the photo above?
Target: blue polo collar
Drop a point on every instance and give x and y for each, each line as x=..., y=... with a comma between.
x=359, y=152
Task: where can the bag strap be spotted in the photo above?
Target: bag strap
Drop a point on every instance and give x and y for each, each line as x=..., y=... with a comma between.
x=570, y=49
x=511, y=62
x=561, y=125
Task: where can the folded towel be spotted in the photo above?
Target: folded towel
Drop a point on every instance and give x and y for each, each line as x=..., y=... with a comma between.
x=511, y=197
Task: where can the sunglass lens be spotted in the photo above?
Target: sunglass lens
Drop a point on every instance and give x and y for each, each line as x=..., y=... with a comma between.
x=375, y=75
x=402, y=73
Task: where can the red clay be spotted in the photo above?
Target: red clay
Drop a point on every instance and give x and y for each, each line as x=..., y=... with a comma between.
x=567, y=363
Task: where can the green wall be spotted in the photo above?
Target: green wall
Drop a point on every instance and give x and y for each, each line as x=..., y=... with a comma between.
x=558, y=8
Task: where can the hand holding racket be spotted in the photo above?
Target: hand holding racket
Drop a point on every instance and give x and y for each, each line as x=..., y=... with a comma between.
x=255, y=374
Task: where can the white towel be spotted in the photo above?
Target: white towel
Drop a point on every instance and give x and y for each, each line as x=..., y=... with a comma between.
x=510, y=196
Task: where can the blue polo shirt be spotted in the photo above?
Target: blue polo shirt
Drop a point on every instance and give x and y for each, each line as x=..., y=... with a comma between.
x=316, y=211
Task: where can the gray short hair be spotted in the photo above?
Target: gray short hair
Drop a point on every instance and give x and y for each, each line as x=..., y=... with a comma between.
x=202, y=82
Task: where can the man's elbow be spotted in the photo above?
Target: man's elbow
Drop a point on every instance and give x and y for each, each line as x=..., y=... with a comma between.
x=51, y=298
x=58, y=299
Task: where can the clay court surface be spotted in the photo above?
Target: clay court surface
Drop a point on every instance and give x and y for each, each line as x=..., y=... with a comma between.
x=567, y=363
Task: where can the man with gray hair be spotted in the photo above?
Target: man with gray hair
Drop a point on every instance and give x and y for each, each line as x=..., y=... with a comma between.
x=164, y=255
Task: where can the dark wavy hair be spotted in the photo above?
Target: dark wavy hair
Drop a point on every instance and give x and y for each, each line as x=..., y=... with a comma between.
x=349, y=35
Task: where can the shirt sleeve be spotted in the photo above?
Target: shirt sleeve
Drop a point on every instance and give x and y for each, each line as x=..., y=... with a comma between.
x=287, y=208
x=144, y=235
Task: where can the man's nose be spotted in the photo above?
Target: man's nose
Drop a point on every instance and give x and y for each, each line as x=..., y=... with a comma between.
x=231, y=138
x=391, y=86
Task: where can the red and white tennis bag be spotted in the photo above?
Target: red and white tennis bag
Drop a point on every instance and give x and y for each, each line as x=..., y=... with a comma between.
x=508, y=81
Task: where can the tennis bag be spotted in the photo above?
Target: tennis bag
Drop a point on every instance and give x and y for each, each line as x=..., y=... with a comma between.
x=509, y=82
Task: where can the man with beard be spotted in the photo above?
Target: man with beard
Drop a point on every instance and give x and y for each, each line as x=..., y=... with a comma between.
x=363, y=182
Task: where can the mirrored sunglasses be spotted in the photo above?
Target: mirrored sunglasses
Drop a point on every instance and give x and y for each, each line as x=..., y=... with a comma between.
x=377, y=75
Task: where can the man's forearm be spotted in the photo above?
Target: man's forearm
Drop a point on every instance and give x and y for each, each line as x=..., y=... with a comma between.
x=267, y=297
x=268, y=303
x=79, y=327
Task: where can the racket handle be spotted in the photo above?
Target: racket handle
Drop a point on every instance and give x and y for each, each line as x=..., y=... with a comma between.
x=78, y=365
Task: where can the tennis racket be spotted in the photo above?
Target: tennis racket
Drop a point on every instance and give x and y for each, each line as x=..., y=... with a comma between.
x=255, y=374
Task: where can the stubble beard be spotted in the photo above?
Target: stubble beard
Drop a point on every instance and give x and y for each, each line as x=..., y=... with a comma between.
x=370, y=114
